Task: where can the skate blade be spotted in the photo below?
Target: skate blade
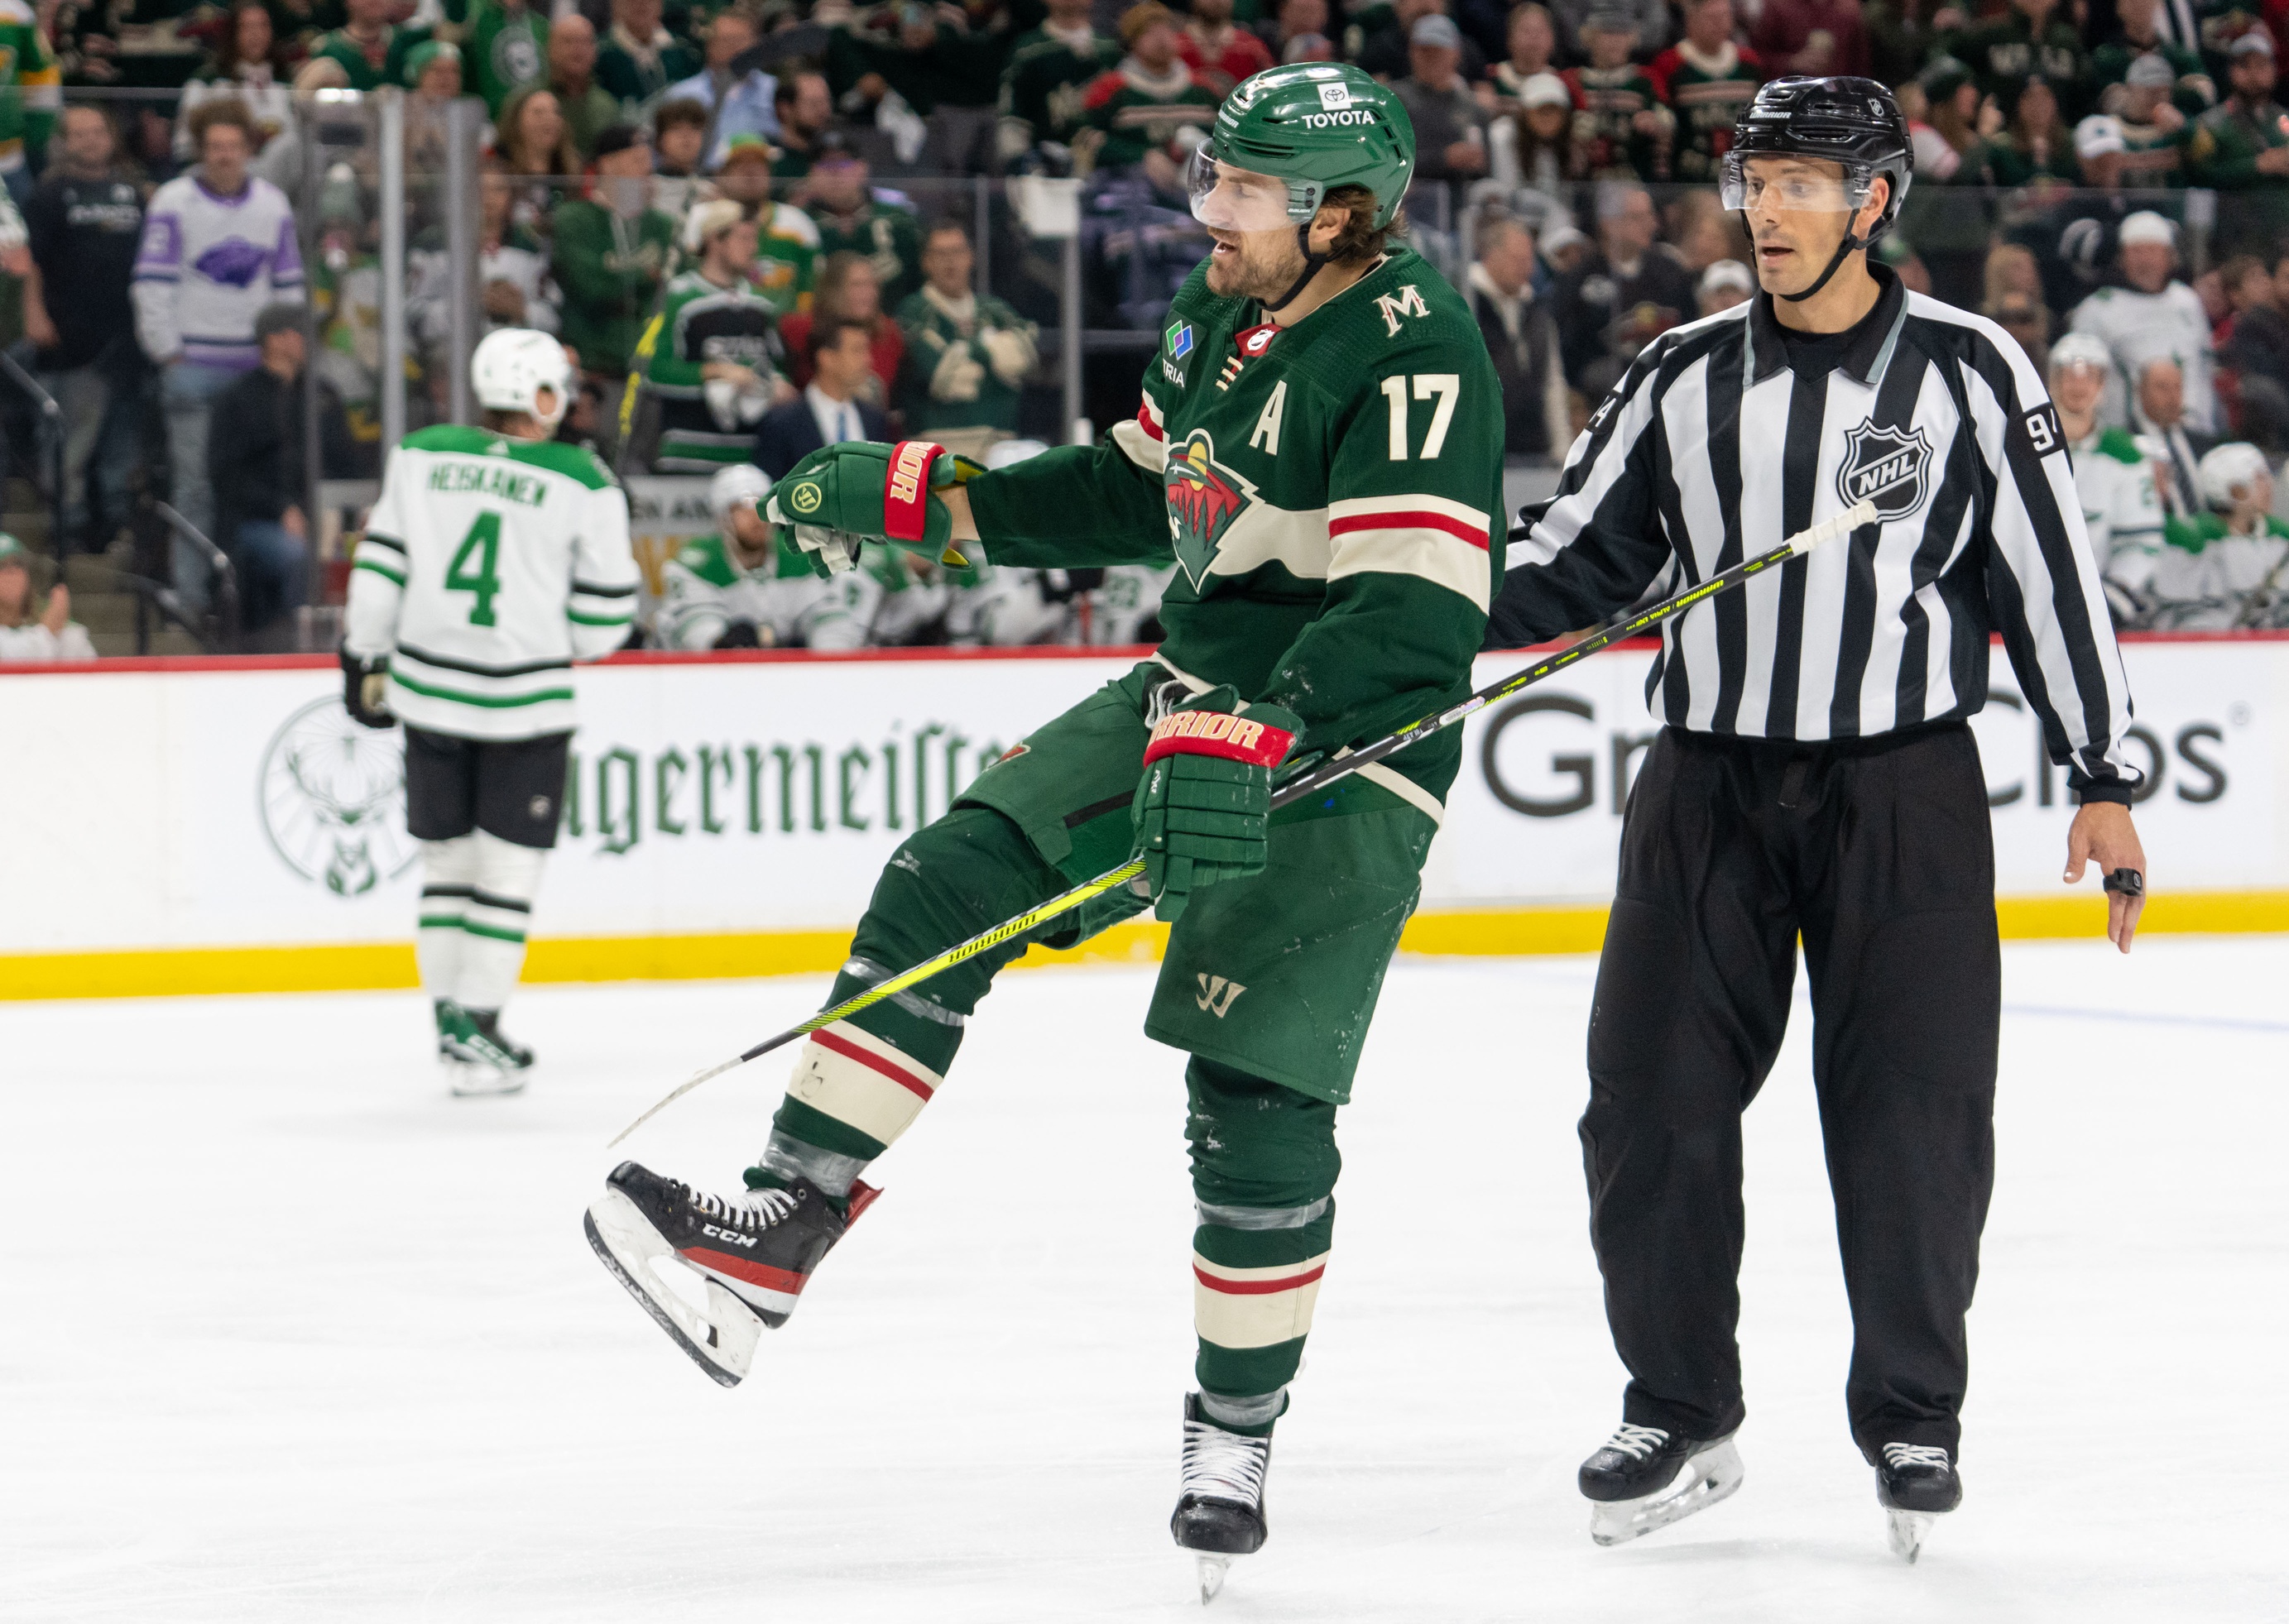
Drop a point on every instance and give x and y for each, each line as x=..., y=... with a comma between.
x=469, y=1081
x=1701, y=1482
x=1212, y=1570
x=723, y=1341
x=1904, y=1531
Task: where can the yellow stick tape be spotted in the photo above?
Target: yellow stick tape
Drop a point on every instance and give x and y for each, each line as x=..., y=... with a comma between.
x=176, y=972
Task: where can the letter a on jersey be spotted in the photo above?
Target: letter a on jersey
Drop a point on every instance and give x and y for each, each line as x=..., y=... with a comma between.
x=1884, y=466
x=1204, y=498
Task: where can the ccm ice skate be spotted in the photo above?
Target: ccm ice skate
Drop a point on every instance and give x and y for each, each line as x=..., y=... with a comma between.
x=477, y=1058
x=1914, y=1484
x=1220, y=1506
x=752, y=1252
x=1645, y=1478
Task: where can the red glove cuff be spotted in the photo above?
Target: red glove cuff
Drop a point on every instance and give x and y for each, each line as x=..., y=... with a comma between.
x=905, y=493
x=1218, y=733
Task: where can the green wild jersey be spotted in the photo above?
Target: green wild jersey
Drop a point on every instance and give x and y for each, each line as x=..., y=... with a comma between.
x=488, y=567
x=1045, y=90
x=966, y=361
x=700, y=429
x=2120, y=510
x=1331, y=494
x=889, y=239
x=787, y=257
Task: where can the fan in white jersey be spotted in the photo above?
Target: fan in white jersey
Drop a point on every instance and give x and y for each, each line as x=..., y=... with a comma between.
x=741, y=588
x=495, y=559
x=2154, y=315
x=2121, y=510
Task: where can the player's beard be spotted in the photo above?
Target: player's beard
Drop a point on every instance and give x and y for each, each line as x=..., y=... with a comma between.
x=1266, y=266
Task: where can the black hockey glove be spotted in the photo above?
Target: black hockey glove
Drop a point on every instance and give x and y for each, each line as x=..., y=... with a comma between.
x=366, y=689
x=738, y=634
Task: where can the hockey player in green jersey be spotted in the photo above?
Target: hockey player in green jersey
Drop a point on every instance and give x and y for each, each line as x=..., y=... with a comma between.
x=711, y=354
x=1319, y=450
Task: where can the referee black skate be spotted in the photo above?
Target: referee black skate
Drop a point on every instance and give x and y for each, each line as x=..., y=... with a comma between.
x=1817, y=777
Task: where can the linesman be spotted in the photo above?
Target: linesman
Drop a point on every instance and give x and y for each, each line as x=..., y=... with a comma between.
x=1818, y=779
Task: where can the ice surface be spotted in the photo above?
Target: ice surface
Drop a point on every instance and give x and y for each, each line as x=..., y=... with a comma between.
x=289, y=1335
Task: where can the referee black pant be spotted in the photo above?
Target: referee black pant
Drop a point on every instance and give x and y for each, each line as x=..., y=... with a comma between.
x=1879, y=855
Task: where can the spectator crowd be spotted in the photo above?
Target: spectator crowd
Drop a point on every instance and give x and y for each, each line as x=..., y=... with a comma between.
x=725, y=211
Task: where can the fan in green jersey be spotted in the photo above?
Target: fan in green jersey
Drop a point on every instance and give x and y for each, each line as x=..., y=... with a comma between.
x=1318, y=454
x=711, y=352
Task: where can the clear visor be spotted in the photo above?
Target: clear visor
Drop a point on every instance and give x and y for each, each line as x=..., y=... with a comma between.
x=1790, y=184
x=1230, y=199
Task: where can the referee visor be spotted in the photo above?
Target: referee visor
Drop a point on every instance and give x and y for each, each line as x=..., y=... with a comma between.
x=1228, y=198
x=1797, y=184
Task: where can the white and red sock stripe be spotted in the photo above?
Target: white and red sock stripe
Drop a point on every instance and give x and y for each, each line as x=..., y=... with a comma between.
x=858, y=1079
x=1254, y=1308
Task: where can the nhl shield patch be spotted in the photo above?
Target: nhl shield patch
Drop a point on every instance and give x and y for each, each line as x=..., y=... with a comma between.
x=1886, y=465
x=1204, y=498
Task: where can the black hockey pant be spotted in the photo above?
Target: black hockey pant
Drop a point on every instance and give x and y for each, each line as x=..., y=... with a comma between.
x=1879, y=854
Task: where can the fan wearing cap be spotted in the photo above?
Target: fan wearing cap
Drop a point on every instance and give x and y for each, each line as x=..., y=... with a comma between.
x=2227, y=569
x=786, y=240
x=2243, y=145
x=711, y=354
x=2153, y=130
x=494, y=559
x=2121, y=509
x=32, y=632
x=1447, y=119
x=2153, y=316
x=1622, y=132
x=2138, y=34
x=1138, y=111
x=1318, y=458
x=745, y=585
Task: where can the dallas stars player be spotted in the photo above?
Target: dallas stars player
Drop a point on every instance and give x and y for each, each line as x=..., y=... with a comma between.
x=1320, y=448
x=494, y=559
x=743, y=588
x=2113, y=480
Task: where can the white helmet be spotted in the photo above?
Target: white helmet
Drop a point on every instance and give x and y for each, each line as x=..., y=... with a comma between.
x=741, y=484
x=2080, y=349
x=511, y=368
x=2223, y=469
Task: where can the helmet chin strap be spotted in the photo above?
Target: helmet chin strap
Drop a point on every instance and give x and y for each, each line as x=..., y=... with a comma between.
x=1313, y=266
x=1852, y=243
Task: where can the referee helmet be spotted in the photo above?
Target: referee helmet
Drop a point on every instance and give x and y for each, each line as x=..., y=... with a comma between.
x=1852, y=122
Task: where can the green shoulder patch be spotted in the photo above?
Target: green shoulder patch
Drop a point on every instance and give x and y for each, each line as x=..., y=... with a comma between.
x=2117, y=443
x=706, y=557
x=572, y=461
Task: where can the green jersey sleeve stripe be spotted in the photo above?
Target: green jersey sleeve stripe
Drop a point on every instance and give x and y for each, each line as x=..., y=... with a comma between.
x=381, y=569
x=484, y=701
x=579, y=619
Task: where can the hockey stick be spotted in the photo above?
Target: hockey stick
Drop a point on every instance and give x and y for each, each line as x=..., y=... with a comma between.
x=1625, y=625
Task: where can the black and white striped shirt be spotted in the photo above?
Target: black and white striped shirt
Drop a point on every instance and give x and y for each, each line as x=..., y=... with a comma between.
x=1712, y=448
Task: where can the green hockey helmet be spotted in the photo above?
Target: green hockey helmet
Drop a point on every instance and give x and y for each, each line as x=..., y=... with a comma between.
x=1313, y=125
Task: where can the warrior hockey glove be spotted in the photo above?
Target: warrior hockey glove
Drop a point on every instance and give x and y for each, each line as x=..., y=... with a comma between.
x=1202, y=810
x=365, y=690
x=866, y=489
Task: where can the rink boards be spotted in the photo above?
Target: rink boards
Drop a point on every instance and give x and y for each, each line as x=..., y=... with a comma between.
x=183, y=826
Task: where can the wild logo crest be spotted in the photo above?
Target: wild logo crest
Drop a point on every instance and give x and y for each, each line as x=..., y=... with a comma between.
x=1204, y=498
